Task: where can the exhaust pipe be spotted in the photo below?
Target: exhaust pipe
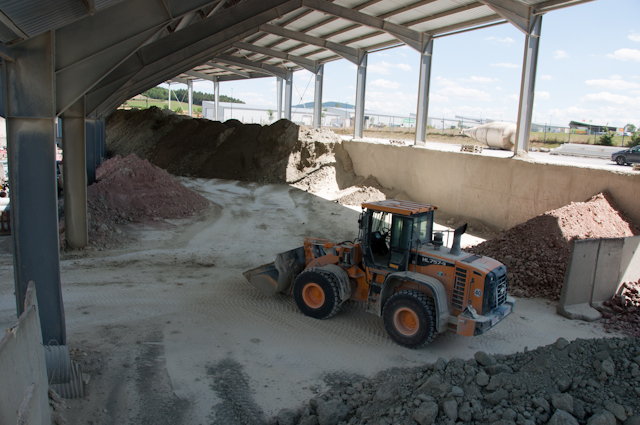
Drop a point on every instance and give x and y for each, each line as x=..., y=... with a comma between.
x=457, y=236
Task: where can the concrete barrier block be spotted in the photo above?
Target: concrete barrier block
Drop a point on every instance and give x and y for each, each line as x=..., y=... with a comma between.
x=23, y=374
x=607, y=278
x=578, y=281
x=630, y=264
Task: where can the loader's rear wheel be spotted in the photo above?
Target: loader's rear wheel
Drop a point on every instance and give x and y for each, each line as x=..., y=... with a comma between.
x=316, y=294
x=409, y=318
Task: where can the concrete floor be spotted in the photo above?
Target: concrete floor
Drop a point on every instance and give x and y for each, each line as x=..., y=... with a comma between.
x=171, y=333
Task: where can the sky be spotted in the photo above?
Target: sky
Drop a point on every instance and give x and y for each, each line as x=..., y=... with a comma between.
x=588, y=69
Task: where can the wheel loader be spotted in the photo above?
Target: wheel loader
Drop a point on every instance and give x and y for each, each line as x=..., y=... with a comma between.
x=399, y=268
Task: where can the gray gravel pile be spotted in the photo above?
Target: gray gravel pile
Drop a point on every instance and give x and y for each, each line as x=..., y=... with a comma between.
x=593, y=382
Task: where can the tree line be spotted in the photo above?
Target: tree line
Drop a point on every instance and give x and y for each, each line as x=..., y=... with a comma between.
x=183, y=96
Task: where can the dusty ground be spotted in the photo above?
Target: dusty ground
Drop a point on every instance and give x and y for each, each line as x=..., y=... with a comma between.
x=173, y=334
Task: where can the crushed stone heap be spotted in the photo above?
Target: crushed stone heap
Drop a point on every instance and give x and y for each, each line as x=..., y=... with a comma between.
x=582, y=382
x=133, y=190
x=537, y=251
x=624, y=314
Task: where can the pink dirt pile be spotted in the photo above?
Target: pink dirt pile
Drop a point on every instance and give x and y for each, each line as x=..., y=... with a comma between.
x=131, y=189
x=536, y=252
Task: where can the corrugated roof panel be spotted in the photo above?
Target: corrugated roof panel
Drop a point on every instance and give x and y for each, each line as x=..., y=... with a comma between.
x=287, y=44
x=307, y=21
x=354, y=33
x=348, y=3
x=388, y=6
x=38, y=16
x=479, y=12
x=270, y=38
x=372, y=41
x=329, y=27
x=287, y=17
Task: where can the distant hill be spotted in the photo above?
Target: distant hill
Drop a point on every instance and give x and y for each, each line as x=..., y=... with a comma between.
x=326, y=105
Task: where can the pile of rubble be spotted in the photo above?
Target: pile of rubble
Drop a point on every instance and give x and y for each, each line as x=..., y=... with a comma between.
x=133, y=190
x=624, y=314
x=536, y=252
x=582, y=382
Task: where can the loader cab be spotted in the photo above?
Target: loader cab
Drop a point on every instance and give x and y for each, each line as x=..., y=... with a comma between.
x=392, y=229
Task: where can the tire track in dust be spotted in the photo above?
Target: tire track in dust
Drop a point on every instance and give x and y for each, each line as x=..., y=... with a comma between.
x=231, y=384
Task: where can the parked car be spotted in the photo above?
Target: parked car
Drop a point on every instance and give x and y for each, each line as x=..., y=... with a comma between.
x=627, y=156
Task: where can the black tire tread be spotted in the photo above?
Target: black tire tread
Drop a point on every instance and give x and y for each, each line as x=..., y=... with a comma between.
x=334, y=287
x=429, y=306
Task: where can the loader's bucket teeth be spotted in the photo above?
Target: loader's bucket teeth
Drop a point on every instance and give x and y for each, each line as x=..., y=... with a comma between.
x=278, y=276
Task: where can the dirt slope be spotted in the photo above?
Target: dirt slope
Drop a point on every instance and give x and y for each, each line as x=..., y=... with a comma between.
x=283, y=152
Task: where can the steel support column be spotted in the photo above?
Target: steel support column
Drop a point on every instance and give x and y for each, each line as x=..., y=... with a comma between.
x=103, y=140
x=423, y=94
x=317, y=98
x=288, y=95
x=91, y=153
x=75, y=176
x=190, y=90
x=527, y=86
x=169, y=96
x=216, y=90
x=279, y=90
x=360, y=86
x=31, y=147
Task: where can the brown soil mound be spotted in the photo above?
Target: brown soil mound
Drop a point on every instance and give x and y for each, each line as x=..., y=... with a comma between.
x=536, y=252
x=133, y=190
x=312, y=160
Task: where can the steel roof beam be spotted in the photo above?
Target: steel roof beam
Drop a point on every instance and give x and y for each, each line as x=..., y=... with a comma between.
x=178, y=80
x=13, y=27
x=199, y=75
x=90, y=5
x=227, y=69
x=411, y=38
x=349, y=53
x=201, y=41
x=216, y=8
x=515, y=12
x=82, y=62
x=308, y=64
x=466, y=24
x=550, y=5
x=254, y=66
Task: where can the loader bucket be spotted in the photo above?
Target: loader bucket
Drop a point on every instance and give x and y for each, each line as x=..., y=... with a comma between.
x=278, y=276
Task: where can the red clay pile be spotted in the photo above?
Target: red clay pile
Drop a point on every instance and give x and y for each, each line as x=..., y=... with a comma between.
x=536, y=252
x=133, y=190
x=625, y=306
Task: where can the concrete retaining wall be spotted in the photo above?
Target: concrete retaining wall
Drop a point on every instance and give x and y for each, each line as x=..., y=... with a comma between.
x=596, y=270
x=501, y=192
x=24, y=387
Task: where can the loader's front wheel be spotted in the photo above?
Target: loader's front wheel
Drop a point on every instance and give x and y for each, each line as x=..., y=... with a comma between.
x=316, y=294
x=409, y=318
